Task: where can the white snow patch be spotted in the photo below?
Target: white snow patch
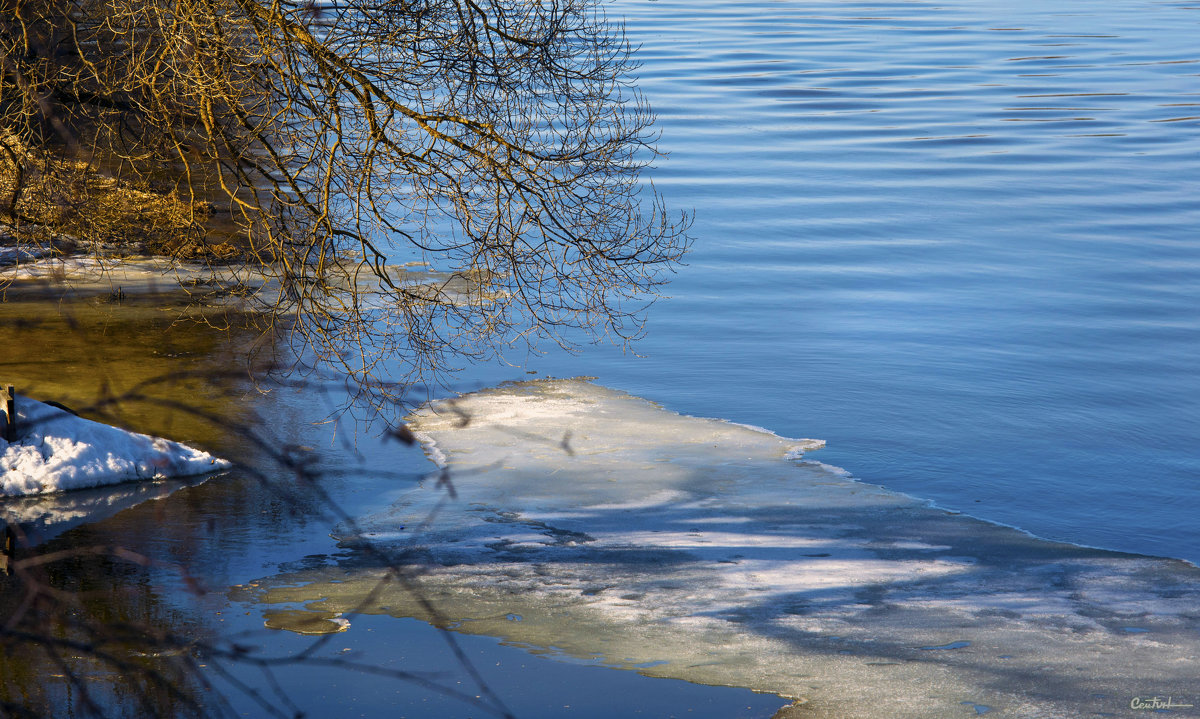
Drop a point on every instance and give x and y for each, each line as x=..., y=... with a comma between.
x=57, y=451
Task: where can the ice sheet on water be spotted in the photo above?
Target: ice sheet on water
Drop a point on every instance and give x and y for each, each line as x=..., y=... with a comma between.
x=714, y=552
x=31, y=271
x=88, y=275
x=56, y=451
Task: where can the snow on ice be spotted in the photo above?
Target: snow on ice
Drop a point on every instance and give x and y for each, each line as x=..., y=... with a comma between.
x=57, y=451
x=699, y=549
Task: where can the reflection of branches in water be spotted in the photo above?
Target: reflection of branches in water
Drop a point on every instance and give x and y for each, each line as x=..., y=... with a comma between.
x=503, y=142
x=77, y=612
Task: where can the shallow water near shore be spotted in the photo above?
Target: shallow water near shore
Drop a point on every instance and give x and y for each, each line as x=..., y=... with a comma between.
x=233, y=528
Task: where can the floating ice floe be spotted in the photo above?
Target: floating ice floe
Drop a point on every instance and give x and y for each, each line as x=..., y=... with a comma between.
x=56, y=451
x=704, y=550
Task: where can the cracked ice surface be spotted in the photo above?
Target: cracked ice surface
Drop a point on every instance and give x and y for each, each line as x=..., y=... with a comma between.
x=714, y=552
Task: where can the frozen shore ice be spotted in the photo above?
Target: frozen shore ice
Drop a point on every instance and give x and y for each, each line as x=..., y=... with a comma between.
x=57, y=451
x=699, y=549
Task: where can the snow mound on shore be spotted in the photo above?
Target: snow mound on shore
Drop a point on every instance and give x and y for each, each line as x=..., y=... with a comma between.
x=56, y=451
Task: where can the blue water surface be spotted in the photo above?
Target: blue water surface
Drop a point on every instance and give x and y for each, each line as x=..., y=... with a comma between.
x=958, y=241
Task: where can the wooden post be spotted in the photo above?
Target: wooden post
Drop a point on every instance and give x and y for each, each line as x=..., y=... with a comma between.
x=7, y=537
x=10, y=414
x=8, y=544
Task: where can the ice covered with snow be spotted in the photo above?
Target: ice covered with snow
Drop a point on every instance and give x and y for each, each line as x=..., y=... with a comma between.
x=30, y=271
x=597, y=524
x=131, y=275
x=85, y=269
x=11, y=254
x=56, y=451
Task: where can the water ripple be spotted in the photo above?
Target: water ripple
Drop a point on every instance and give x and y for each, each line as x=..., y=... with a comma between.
x=978, y=218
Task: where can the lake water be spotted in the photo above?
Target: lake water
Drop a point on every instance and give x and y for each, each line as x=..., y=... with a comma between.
x=956, y=241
